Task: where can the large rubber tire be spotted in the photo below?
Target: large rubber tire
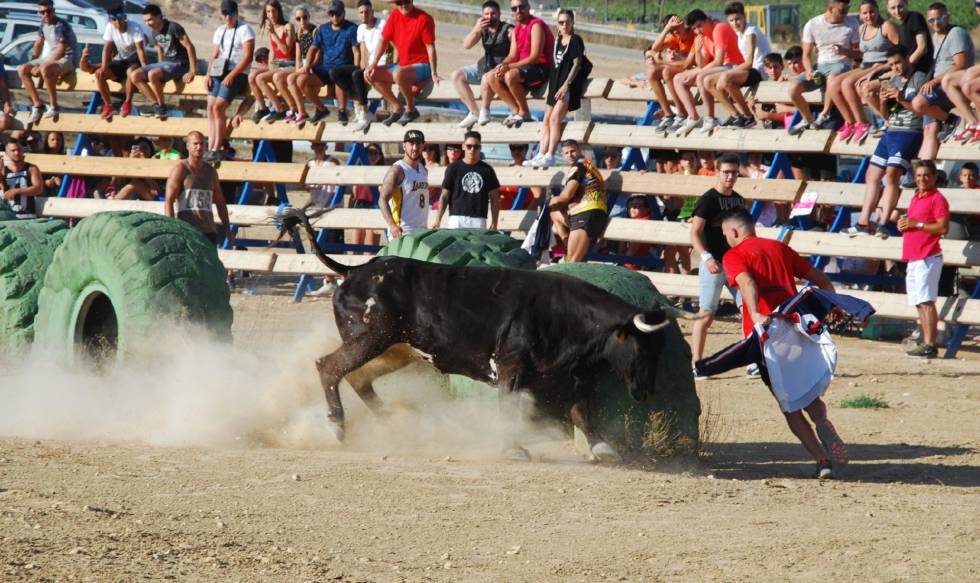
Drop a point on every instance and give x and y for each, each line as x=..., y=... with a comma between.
x=6, y=213
x=26, y=250
x=118, y=276
x=666, y=424
x=461, y=247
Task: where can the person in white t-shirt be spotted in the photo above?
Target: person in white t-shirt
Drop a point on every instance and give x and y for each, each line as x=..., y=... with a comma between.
x=124, y=40
x=234, y=46
x=727, y=86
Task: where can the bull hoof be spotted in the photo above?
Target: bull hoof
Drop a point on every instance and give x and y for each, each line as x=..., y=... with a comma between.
x=336, y=430
x=604, y=453
x=517, y=453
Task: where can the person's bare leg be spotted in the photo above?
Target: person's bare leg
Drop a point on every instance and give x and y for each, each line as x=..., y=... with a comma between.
x=838, y=99
x=699, y=334
x=269, y=89
x=382, y=83
x=796, y=96
x=560, y=224
x=253, y=86
x=928, y=319
x=311, y=85
x=516, y=86
x=703, y=82
x=721, y=85
x=682, y=90
x=803, y=431
x=299, y=100
x=502, y=90
x=851, y=101
x=872, y=192
x=554, y=123
x=960, y=103
x=281, y=80
x=487, y=91
x=734, y=91
x=655, y=77
x=138, y=78
x=669, y=74
x=24, y=72
x=405, y=77
x=890, y=192
x=463, y=90
x=578, y=246
x=51, y=72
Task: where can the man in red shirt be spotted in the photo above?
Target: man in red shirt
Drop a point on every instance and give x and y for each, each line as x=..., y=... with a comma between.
x=765, y=272
x=926, y=222
x=717, y=51
x=413, y=32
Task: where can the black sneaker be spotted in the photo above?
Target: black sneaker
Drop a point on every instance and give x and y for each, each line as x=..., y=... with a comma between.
x=210, y=156
x=923, y=351
x=392, y=118
x=948, y=127
x=409, y=117
x=730, y=122
x=320, y=115
x=258, y=115
x=160, y=111
x=745, y=122
x=149, y=111
x=342, y=117
x=274, y=116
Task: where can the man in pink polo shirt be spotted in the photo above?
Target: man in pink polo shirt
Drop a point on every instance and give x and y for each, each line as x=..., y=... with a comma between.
x=926, y=222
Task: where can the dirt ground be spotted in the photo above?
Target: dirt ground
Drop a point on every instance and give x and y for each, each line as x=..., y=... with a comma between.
x=222, y=492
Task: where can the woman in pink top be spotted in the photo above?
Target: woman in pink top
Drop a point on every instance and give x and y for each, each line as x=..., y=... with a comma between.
x=926, y=222
x=362, y=197
x=527, y=66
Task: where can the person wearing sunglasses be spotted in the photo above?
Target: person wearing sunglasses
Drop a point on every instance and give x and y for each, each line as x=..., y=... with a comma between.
x=494, y=35
x=282, y=46
x=124, y=40
x=469, y=187
x=176, y=60
x=527, y=66
x=363, y=197
x=231, y=57
x=60, y=61
x=565, y=87
x=287, y=80
x=334, y=53
x=953, y=55
x=413, y=33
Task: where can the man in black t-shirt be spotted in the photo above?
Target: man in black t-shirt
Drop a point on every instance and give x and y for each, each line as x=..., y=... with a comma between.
x=176, y=59
x=709, y=243
x=913, y=35
x=494, y=35
x=469, y=187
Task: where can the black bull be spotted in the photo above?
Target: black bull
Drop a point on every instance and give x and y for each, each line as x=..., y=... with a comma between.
x=543, y=332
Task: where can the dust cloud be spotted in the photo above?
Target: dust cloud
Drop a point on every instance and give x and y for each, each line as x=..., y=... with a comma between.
x=195, y=392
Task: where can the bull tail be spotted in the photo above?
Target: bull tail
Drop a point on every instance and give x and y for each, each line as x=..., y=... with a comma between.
x=290, y=222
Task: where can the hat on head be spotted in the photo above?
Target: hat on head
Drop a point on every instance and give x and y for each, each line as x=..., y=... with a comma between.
x=414, y=136
x=336, y=7
x=229, y=6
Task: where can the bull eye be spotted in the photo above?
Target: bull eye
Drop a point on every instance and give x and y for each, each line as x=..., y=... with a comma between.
x=621, y=337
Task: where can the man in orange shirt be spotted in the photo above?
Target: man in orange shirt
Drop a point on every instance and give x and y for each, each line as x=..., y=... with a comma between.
x=716, y=51
x=671, y=54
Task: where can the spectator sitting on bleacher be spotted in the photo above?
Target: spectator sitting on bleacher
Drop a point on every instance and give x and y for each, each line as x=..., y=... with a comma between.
x=332, y=57
x=896, y=148
x=362, y=197
x=124, y=40
x=957, y=92
x=469, y=188
x=494, y=36
x=927, y=221
x=727, y=87
x=282, y=46
x=176, y=60
x=913, y=35
x=234, y=46
x=528, y=64
x=793, y=61
x=165, y=149
x=142, y=188
x=286, y=79
x=640, y=79
x=53, y=57
x=508, y=194
x=638, y=209
x=716, y=51
x=953, y=55
x=566, y=85
x=21, y=180
x=709, y=244
x=193, y=188
x=6, y=101
x=876, y=36
x=773, y=115
x=54, y=143
x=670, y=54
x=579, y=212
x=834, y=35
x=969, y=176
x=413, y=32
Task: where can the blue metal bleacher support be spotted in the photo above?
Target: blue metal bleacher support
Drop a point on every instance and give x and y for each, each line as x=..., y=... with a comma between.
x=81, y=143
x=958, y=332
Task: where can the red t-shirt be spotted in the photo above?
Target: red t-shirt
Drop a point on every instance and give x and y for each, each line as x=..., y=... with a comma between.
x=773, y=265
x=719, y=35
x=410, y=33
x=927, y=207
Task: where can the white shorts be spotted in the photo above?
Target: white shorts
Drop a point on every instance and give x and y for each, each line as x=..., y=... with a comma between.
x=922, y=279
x=463, y=222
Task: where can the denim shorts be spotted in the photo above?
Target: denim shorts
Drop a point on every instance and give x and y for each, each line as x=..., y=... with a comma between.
x=172, y=70
x=423, y=71
x=709, y=288
x=827, y=69
x=472, y=74
x=938, y=98
x=219, y=91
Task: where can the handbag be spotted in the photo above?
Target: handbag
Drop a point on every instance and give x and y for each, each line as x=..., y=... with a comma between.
x=219, y=66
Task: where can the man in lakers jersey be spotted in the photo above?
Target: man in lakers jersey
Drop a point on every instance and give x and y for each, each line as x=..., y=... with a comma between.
x=405, y=191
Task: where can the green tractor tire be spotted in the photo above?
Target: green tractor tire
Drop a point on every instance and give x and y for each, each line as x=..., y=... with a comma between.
x=461, y=247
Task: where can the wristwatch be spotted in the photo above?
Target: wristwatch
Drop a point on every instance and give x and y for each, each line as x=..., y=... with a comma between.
x=920, y=225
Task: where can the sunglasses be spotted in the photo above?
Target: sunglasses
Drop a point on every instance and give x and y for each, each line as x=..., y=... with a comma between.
x=563, y=22
x=519, y=7
x=302, y=18
x=472, y=146
x=936, y=19
x=45, y=11
x=228, y=13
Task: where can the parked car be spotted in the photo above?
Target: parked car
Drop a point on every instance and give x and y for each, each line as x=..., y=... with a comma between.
x=131, y=7
x=11, y=28
x=79, y=18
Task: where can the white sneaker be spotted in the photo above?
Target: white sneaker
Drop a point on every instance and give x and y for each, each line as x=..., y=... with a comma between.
x=687, y=128
x=51, y=112
x=469, y=121
x=540, y=161
x=708, y=125
x=361, y=121
x=324, y=290
x=35, y=115
x=484, y=118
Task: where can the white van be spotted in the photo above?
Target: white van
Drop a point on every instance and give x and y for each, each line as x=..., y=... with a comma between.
x=78, y=18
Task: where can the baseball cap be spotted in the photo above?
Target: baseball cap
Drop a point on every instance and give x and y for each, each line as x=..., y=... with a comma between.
x=336, y=7
x=229, y=7
x=414, y=136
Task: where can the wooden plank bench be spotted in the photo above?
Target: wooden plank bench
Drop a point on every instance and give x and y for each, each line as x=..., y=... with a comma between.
x=450, y=133
x=767, y=92
x=949, y=150
x=961, y=200
x=160, y=169
x=723, y=139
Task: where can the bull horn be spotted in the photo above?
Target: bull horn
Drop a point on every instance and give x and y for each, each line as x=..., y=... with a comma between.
x=642, y=326
x=677, y=313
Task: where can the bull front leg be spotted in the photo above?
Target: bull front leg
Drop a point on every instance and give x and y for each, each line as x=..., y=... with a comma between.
x=334, y=367
x=601, y=451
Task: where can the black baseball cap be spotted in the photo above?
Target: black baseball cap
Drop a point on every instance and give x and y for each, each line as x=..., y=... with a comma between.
x=229, y=7
x=414, y=136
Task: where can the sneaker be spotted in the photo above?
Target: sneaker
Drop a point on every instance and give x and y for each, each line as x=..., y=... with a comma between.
x=678, y=123
x=342, y=117
x=512, y=120
x=857, y=230
x=975, y=138
x=746, y=122
x=126, y=108
x=159, y=110
x=832, y=442
x=923, y=351
x=948, y=127
x=824, y=470
x=966, y=134
x=299, y=119
x=752, y=371
x=484, y=118
x=469, y=121
x=799, y=127
x=52, y=112
x=664, y=122
x=324, y=290
x=687, y=128
x=107, y=111
x=361, y=121
x=210, y=156
x=393, y=117
x=540, y=161
x=149, y=111
x=860, y=131
x=881, y=231
x=821, y=121
x=731, y=122
x=846, y=131
x=260, y=114
x=697, y=376
x=320, y=115
x=290, y=116
x=409, y=117
x=274, y=116
x=35, y=116
x=708, y=125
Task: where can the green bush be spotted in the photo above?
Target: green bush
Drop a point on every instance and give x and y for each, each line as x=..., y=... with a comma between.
x=864, y=402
